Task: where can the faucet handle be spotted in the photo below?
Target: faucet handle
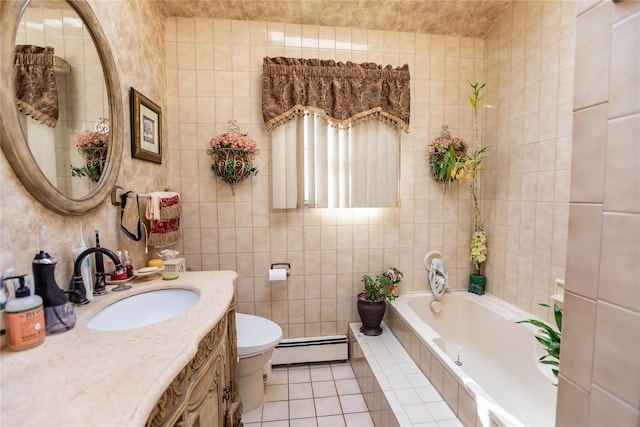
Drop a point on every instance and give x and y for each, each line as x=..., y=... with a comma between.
x=78, y=294
x=99, y=287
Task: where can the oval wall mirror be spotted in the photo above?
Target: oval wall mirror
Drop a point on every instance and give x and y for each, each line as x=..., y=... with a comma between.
x=62, y=119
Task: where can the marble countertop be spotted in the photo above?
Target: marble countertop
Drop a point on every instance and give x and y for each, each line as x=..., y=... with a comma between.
x=84, y=377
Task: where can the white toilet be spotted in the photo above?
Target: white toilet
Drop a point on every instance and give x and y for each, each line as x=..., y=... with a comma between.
x=257, y=337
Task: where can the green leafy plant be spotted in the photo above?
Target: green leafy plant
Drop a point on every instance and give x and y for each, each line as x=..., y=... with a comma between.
x=549, y=338
x=93, y=169
x=384, y=287
x=467, y=169
x=445, y=155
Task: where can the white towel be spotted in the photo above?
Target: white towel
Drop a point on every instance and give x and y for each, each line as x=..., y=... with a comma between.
x=438, y=277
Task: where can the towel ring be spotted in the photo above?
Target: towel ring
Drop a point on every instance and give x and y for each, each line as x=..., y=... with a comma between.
x=126, y=232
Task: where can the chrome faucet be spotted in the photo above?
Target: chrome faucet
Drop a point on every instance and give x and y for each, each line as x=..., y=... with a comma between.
x=79, y=292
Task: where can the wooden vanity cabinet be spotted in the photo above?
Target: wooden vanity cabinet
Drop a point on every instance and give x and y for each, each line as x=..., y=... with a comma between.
x=205, y=392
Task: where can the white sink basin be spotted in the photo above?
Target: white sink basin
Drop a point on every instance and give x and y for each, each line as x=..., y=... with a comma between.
x=143, y=309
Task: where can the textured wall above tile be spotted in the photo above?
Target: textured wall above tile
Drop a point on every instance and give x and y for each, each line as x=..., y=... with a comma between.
x=441, y=17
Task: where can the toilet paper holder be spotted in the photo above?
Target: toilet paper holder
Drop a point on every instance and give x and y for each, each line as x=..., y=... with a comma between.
x=287, y=264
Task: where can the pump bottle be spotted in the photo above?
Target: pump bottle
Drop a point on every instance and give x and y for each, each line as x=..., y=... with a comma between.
x=24, y=316
x=128, y=265
x=59, y=314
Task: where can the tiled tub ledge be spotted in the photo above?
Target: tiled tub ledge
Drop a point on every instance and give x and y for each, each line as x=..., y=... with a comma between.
x=395, y=390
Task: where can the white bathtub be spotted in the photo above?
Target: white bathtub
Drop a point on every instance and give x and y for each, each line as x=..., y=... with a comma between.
x=500, y=368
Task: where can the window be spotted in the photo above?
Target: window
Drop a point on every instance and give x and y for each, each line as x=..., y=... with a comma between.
x=320, y=165
x=335, y=131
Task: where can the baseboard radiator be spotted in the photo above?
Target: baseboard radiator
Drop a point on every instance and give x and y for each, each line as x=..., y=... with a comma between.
x=312, y=349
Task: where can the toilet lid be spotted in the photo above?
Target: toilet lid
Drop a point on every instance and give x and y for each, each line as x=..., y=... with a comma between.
x=256, y=334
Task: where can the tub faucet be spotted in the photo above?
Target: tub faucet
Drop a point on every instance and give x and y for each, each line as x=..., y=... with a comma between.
x=78, y=291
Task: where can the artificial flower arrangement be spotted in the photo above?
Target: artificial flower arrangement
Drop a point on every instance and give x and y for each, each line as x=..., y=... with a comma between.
x=384, y=287
x=234, y=141
x=478, y=253
x=93, y=146
x=445, y=153
x=232, y=153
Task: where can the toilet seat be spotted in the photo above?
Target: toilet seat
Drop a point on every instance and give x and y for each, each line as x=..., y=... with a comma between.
x=256, y=334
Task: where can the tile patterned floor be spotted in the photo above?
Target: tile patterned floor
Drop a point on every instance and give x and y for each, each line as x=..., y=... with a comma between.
x=315, y=395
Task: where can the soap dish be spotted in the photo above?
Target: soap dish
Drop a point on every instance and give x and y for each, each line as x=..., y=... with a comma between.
x=148, y=273
x=167, y=254
x=118, y=282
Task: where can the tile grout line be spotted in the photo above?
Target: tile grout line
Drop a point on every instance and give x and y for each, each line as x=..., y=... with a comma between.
x=322, y=378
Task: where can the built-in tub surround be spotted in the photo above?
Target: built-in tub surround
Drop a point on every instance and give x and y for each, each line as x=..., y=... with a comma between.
x=498, y=375
x=88, y=377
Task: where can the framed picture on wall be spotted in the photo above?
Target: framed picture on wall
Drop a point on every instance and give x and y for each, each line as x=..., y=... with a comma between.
x=146, y=128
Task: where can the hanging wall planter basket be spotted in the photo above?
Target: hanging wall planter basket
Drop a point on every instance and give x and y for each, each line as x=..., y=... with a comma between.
x=94, y=146
x=232, y=166
x=232, y=153
x=95, y=164
x=445, y=153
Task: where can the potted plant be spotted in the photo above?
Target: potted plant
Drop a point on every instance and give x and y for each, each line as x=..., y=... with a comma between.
x=467, y=170
x=232, y=153
x=550, y=339
x=372, y=301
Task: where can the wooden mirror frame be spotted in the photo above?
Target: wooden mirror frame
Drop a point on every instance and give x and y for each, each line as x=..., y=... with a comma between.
x=12, y=138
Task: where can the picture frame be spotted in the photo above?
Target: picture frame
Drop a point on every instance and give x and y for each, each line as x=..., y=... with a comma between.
x=146, y=128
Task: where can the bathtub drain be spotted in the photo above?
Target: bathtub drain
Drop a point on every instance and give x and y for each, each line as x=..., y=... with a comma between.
x=458, y=362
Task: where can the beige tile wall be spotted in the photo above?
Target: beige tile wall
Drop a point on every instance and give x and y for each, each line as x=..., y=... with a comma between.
x=214, y=75
x=529, y=70
x=600, y=354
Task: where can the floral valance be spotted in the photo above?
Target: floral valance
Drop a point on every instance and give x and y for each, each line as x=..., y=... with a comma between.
x=36, y=89
x=343, y=93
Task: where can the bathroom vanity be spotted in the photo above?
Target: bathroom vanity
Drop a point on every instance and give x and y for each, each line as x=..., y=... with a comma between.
x=178, y=372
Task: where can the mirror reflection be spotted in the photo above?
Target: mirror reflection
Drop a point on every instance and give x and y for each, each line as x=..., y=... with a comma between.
x=62, y=97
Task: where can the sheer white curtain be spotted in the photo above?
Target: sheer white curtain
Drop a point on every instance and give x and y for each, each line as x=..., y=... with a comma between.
x=328, y=167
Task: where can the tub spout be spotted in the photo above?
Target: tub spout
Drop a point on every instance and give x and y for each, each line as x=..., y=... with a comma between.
x=78, y=291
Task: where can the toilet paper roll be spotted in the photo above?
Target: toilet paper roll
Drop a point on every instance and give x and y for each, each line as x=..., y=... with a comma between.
x=277, y=274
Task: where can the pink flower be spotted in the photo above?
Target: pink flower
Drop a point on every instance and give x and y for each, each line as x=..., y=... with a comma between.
x=234, y=141
x=442, y=144
x=92, y=139
x=393, y=274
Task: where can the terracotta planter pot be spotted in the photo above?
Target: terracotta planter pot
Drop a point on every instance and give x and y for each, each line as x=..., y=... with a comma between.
x=371, y=314
x=477, y=284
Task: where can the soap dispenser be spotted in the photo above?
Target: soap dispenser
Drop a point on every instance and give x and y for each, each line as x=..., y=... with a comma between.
x=24, y=317
x=58, y=312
